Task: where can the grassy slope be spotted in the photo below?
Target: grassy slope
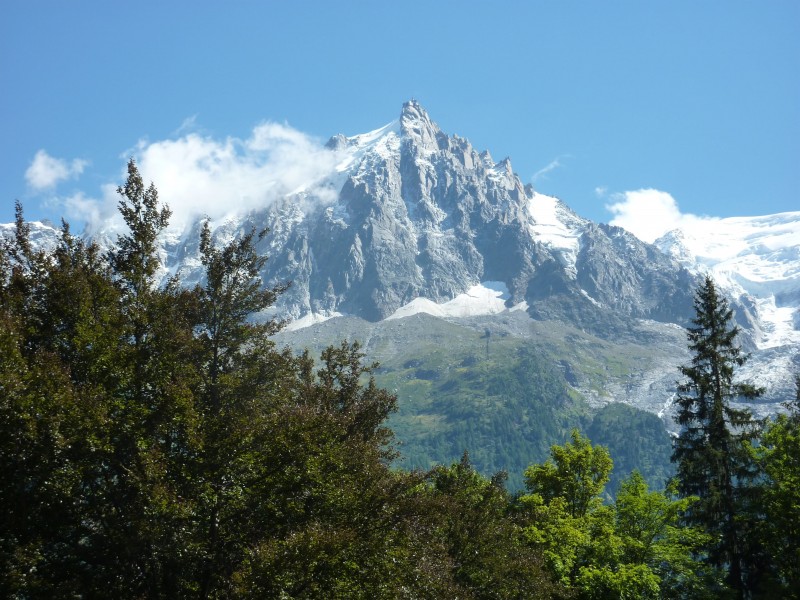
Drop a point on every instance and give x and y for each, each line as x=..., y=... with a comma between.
x=503, y=388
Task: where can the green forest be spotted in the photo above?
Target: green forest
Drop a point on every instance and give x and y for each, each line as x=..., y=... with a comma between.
x=157, y=443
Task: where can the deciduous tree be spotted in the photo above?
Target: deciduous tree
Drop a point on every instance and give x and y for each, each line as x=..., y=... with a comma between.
x=778, y=454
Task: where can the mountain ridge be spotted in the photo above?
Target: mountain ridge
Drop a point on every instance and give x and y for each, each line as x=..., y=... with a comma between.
x=424, y=215
x=412, y=219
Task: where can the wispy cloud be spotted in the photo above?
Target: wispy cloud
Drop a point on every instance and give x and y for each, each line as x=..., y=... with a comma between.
x=551, y=166
x=650, y=213
x=189, y=125
x=80, y=208
x=45, y=171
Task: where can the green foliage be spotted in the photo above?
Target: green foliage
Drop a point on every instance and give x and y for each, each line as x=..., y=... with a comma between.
x=484, y=547
x=779, y=458
x=562, y=539
x=627, y=581
x=649, y=524
x=634, y=549
x=636, y=441
x=576, y=472
x=506, y=409
x=564, y=515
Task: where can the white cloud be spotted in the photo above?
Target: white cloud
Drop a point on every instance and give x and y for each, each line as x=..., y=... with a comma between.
x=649, y=213
x=46, y=171
x=197, y=175
x=80, y=208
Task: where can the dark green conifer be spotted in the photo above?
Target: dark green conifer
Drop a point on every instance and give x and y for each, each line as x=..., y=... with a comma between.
x=711, y=451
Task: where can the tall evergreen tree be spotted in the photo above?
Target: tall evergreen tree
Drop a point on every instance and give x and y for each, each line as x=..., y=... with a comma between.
x=711, y=454
x=241, y=380
x=147, y=407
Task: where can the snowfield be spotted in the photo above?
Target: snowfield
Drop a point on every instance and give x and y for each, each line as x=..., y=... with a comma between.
x=749, y=256
x=487, y=298
x=557, y=227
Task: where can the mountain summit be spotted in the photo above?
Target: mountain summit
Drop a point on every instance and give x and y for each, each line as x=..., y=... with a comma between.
x=415, y=124
x=420, y=214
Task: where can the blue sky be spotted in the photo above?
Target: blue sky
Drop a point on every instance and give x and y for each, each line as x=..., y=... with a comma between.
x=692, y=105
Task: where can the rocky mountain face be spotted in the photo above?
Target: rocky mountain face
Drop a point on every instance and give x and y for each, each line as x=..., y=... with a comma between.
x=418, y=213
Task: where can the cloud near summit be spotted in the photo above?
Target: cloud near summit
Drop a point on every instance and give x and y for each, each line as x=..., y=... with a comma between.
x=649, y=213
x=198, y=175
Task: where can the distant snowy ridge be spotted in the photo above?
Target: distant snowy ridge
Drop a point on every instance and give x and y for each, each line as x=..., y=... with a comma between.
x=42, y=235
x=753, y=256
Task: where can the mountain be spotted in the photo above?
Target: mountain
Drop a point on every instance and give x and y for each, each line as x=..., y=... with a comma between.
x=414, y=220
x=419, y=214
x=501, y=318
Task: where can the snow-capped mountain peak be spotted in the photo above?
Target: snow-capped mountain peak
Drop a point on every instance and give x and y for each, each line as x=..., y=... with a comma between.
x=416, y=125
x=382, y=142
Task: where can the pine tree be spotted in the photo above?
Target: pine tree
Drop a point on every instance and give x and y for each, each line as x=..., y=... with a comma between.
x=140, y=505
x=711, y=454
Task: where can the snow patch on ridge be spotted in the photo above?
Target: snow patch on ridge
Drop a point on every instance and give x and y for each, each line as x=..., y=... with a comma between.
x=310, y=319
x=382, y=142
x=778, y=323
x=487, y=298
x=558, y=228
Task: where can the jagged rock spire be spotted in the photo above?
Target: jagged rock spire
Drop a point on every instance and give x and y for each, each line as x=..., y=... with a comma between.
x=416, y=125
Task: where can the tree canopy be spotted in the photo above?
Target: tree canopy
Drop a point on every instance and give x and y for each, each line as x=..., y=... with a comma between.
x=156, y=443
